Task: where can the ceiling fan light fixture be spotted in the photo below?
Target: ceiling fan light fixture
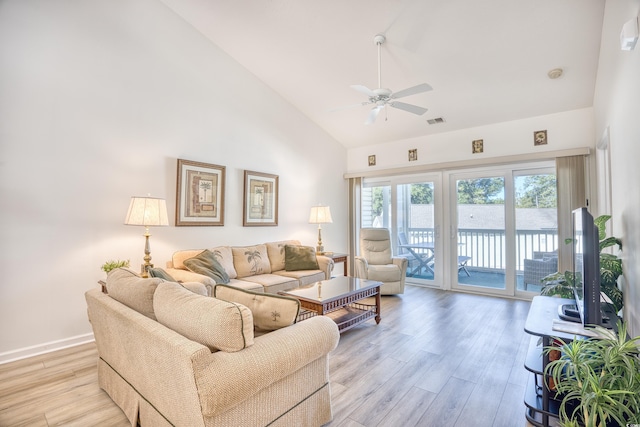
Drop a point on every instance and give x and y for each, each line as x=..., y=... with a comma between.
x=555, y=73
x=382, y=97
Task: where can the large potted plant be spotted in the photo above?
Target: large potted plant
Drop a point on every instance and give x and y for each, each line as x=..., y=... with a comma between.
x=597, y=379
x=561, y=284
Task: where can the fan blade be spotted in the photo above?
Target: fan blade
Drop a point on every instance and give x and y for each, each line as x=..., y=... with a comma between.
x=412, y=91
x=364, y=90
x=349, y=106
x=408, y=107
x=373, y=114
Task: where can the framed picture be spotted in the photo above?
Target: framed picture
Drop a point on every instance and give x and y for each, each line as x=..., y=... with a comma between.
x=477, y=146
x=372, y=160
x=413, y=154
x=200, y=194
x=540, y=137
x=260, y=205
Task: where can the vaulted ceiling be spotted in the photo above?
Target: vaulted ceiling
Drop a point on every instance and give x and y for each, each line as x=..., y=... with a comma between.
x=487, y=61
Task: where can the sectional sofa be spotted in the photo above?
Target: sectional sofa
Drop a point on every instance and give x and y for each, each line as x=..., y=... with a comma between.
x=171, y=357
x=262, y=268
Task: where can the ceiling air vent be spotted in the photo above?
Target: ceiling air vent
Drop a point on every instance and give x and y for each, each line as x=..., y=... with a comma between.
x=435, y=121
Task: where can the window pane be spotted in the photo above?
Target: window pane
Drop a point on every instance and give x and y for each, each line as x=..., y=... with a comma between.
x=536, y=229
x=376, y=209
x=481, y=232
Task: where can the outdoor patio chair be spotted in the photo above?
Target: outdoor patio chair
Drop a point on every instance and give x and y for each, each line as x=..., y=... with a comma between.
x=462, y=264
x=404, y=253
x=543, y=264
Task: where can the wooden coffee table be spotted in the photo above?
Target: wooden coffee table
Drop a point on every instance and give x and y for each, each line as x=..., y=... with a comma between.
x=339, y=298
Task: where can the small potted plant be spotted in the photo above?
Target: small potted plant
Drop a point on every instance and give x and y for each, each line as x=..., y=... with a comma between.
x=112, y=264
x=597, y=379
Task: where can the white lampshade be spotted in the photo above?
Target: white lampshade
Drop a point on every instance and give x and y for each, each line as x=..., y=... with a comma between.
x=320, y=215
x=147, y=211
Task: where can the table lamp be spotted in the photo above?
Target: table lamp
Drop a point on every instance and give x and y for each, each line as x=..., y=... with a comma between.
x=320, y=215
x=148, y=212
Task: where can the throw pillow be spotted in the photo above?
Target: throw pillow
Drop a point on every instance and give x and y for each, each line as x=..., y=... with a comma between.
x=275, y=250
x=251, y=260
x=205, y=263
x=270, y=312
x=300, y=258
x=158, y=272
x=217, y=324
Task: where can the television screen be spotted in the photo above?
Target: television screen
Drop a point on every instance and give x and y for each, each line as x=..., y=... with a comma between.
x=586, y=267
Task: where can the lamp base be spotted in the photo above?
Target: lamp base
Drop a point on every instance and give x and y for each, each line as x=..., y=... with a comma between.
x=319, y=250
x=144, y=270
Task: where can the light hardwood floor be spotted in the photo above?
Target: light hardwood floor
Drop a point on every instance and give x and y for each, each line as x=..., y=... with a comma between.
x=436, y=359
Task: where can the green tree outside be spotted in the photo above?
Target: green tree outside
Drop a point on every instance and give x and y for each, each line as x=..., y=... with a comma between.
x=537, y=191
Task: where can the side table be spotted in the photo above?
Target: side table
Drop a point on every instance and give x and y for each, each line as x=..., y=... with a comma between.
x=338, y=258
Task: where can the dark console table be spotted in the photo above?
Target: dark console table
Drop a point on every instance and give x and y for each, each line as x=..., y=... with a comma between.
x=542, y=409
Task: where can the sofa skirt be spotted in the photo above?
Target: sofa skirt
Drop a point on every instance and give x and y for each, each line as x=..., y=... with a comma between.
x=314, y=410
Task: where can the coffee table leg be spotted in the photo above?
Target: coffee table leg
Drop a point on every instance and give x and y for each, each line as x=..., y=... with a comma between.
x=378, y=306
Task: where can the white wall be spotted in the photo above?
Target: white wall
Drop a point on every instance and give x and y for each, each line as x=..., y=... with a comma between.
x=617, y=106
x=571, y=129
x=99, y=99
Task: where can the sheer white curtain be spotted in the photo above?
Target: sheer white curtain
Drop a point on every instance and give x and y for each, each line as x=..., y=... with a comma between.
x=571, y=195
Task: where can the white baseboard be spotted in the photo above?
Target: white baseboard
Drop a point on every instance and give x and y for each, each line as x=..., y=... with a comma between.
x=23, y=353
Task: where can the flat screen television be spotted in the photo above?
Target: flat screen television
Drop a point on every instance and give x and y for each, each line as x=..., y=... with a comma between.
x=586, y=267
x=586, y=272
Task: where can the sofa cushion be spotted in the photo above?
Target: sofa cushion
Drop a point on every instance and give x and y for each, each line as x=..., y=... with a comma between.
x=158, y=272
x=224, y=256
x=217, y=324
x=272, y=283
x=275, y=251
x=304, y=277
x=251, y=260
x=270, y=312
x=178, y=257
x=206, y=263
x=300, y=258
x=222, y=253
x=127, y=287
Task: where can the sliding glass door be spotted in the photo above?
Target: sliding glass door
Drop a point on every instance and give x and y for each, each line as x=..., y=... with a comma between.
x=417, y=228
x=407, y=208
x=489, y=230
x=479, y=237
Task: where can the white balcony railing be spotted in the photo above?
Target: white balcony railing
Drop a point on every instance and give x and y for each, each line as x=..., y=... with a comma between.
x=487, y=247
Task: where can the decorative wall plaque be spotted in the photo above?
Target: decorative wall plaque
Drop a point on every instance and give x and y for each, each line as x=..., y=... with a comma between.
x=477, y=146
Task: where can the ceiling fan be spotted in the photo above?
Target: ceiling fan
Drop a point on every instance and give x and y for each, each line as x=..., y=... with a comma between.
x=382, y=97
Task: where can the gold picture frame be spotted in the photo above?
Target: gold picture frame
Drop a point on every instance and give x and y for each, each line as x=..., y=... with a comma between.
x=260, y=206
x=413, y=154
x=200, y=194
x=372, y=160
x=477, y=146
x=540, y=137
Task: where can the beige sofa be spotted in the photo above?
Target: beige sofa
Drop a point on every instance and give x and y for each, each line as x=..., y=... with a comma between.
x=259, y=268
x=165, y=359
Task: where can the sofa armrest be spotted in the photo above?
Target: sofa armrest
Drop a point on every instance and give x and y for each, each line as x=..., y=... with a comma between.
x=326, y=265
x=190, y=276
x=224, y=379
x=197, y=288
x=362, y=267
